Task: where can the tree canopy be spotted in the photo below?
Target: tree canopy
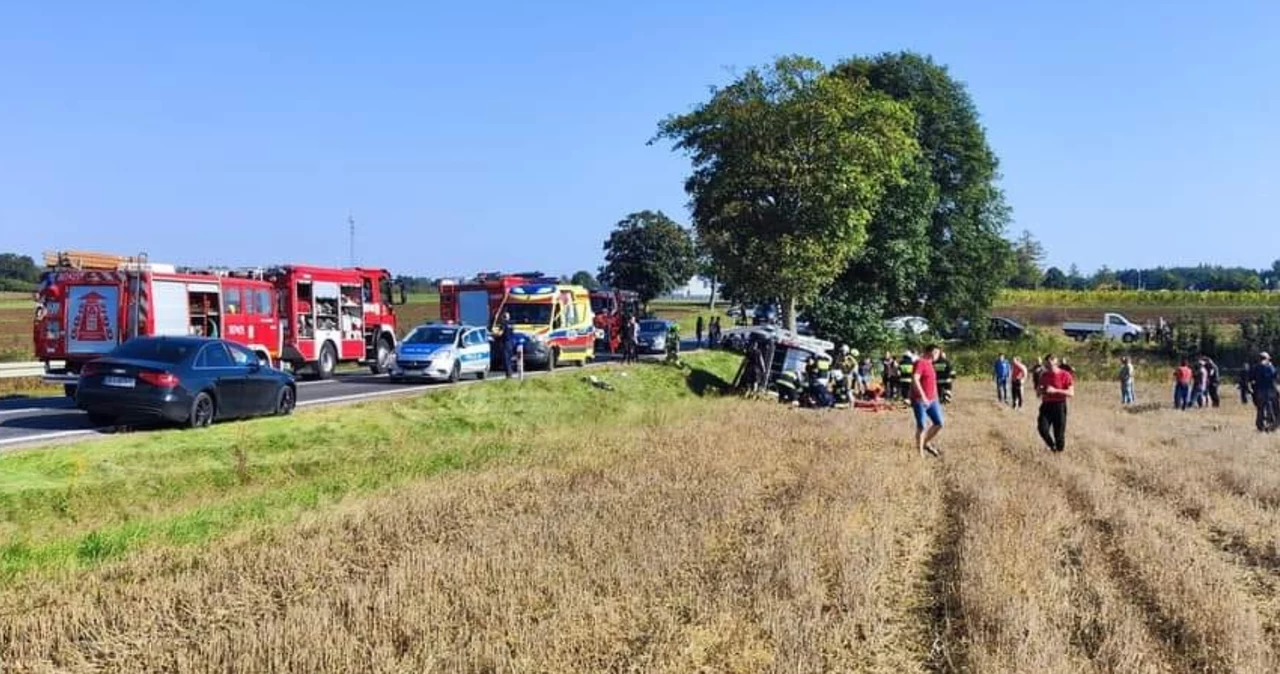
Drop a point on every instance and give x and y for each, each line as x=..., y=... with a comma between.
x=585, y=279
x=789, y=164
x=1028, y=254
x=936, y=244
x=648, y=253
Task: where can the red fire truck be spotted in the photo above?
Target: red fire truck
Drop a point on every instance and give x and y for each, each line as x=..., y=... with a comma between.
x=89, y=303
x=609, y=307
x=476, y=301
x=331, y=315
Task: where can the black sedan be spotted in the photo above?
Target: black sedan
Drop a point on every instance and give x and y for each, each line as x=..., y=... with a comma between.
x=185, y=380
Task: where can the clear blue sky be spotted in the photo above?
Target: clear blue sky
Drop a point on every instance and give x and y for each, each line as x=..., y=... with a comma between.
x=512, y=135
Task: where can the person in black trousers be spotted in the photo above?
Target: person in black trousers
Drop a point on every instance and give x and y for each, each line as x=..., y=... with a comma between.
x=1054, y=386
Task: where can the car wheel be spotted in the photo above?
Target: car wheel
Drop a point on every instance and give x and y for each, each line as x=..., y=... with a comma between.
x=98, y=419
x=456, y=373
x=382, y=357
x=328, y=362
x=1129, y=339
x=202, y=411
x=482, y=373
x=286, y=401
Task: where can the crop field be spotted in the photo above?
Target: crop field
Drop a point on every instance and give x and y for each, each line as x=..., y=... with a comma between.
x=650, y=530
x=1053, y=307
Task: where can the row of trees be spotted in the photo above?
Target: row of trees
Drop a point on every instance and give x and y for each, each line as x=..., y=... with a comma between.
x=18, y=272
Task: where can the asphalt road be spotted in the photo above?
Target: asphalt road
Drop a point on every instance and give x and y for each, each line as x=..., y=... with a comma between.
x=29, y=421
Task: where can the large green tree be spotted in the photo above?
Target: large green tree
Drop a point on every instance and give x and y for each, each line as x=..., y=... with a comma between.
x=585, y=279
x=648, y=253
x=942, y=251
x=789, y=164
x=18, y=268
x=1028, y=254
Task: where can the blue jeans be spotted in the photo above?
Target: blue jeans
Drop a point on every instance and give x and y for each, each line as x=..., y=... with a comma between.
x=1126, y=392
x=1002, y=390
x=933, y=411
x=1181, y=396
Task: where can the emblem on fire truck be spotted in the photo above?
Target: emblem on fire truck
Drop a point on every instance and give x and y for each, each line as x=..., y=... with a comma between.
x=91, y=323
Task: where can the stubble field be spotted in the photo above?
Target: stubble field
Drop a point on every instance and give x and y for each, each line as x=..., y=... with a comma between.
x=744, y=538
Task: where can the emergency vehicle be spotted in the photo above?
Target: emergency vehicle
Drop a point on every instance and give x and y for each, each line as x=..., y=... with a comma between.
x=476, y=301
x=552, y=321
x=88, y=303
x=330, y=315
x=610, y=307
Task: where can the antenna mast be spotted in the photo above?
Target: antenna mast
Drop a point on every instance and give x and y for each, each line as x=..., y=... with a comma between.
x=351, y=223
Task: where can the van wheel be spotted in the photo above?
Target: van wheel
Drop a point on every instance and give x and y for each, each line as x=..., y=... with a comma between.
x=202, y=411
x=456, y=373
x=382, y=357
x=328, y=362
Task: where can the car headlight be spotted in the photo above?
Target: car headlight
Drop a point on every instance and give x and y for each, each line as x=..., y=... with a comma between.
x=442, y=354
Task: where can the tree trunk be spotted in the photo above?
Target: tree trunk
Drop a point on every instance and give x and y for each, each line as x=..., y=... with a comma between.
x=711, y=303
x=789, y=313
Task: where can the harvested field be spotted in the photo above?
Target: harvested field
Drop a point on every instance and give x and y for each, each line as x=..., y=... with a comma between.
x=743, y=538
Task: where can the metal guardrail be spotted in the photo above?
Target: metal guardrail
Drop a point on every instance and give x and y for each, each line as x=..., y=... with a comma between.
x=14, y=370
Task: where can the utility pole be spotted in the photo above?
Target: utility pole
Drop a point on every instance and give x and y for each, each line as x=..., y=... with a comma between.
x=351, y=223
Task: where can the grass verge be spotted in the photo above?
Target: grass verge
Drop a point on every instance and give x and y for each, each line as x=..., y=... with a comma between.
x=75, y=506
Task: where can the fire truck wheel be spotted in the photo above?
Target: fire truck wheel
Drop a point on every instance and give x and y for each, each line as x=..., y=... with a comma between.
x=328, y=362
x=456, y=373
x=382, y=357
x=202, y=411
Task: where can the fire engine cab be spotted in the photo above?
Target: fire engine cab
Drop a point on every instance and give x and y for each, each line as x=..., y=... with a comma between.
x=330, y=316
x=89, y=303
x=304, y=317
x=610, y=307
x=476, y=301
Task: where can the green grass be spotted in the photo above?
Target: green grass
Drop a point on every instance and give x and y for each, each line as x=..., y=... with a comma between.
x=15, y=301
x=686, y=314
x=74, y=506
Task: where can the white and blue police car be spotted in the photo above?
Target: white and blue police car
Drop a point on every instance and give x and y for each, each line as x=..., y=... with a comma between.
x=441, y=351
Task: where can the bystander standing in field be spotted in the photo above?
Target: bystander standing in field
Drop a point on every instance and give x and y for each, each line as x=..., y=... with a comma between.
x=1002, y=370
x=1126, y=381
x=630, y=338
x=1199, y=382
x=697, y=333
x=1182, y=386
x=1055, y=386
x=1263, y=379
x=924, y=401
x=889, y=376
x=1017, y=378
x=1214, y=381
x=1244, y=382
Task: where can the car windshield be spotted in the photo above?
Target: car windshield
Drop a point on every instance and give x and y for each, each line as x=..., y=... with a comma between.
x=529, y=314
x=159, y=350
x=432, y=334
x=653, y=326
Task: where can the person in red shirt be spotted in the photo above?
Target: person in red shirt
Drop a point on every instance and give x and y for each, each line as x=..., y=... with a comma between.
x=924, y=401
x=1055, y=387
x=1182, y=386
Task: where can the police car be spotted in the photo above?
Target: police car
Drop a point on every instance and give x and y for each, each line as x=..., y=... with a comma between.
x=439, y=351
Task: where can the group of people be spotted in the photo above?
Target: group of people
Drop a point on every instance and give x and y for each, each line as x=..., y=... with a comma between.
x=713, y=331
x=1195, y=383
x=1054, y=385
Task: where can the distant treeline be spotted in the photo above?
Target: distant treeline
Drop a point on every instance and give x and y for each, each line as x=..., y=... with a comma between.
x=1203, y=277
x=18, y=273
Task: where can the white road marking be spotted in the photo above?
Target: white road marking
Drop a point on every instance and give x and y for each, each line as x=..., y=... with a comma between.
x=45, y=436
x=24, y=410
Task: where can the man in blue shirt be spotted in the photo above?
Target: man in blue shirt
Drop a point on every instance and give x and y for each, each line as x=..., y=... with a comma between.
x=1002, y=371
x=1264, y=392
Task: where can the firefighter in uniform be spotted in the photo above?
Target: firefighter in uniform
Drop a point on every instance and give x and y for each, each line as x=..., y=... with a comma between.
x=906, y=366
x=945, y=376
x=788, y=386
x=673, y=344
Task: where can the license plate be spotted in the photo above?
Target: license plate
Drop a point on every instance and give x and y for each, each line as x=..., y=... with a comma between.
x=122, y=382
x=413, y=373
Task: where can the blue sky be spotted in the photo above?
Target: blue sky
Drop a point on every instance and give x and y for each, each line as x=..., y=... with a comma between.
x=512, y=135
